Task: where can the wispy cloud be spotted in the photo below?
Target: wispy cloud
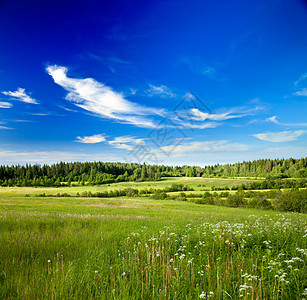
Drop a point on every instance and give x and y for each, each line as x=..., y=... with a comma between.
x=21, y=95
x=201, y=126
x=298, y=84
x=121, y=142
x=280, y=137
x=94, y=139
x=106, y=58
x=196, y=65
x=302, y=92
x=225, y=114
x=204, y=147
x=302, y=77
x=202, y=116
x=118, y=60
x=67, y=109
x=5, y=127
x=272, y=119
x=285, y=151
x=40, y=114
x=102, y=100
x=275, y=149
x=194, y=118
x=5, y=105
x=17, y=157
x=126, y=142
x=161, y=91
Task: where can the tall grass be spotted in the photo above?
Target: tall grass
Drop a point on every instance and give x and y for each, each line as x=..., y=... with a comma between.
x=222, y=255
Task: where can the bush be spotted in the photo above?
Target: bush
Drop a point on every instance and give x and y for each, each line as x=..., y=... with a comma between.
x=260, y=203
x=199, y=201
x=182, y=197
x=160, y=195
x=294, y=200
x=208, y=198
x=235, y=201
x=263, y=203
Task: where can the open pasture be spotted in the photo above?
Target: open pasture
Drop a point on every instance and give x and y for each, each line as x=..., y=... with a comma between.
x=121, y=248
x=197, y=183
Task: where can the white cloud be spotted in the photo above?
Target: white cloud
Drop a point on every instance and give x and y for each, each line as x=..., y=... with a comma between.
x=132, y=91
x=279, y=137
x=297, y=84
x=304, y=76
x=5, y=105
x=162, y=91
x=204, y=147
x=120, y=142
x=209, y=72
x=21, y=95
x=4, y=127
x=302, y=92
x=102, y=100
x=201, y=126
x=202, y=116
x=94, y=139
x=272, y=119
x=18, y=157
x=194, y=117
x=126, y=142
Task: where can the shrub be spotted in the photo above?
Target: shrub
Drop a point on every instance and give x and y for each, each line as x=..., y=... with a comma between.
x=160, y=195
x=235, y=201
x=294, y=200
x=182, y=197
x=84, y=194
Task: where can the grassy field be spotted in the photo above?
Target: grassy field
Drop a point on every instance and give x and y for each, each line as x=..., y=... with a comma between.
x=197, y=183
x=120, y=248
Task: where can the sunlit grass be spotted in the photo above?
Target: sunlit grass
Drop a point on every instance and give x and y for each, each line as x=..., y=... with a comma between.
x=120, y=248
x=197, y=183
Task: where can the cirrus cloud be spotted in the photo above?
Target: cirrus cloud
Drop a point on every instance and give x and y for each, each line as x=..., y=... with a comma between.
x=5, y=105
x=94, y=139
x=126, y=142
x=161, y=91
x=280, y=137
x=21, y=95
x=102, y=100
x=302, y=92
x=204, y=147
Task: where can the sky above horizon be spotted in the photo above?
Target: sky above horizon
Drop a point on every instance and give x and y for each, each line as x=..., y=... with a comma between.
x=165, y=82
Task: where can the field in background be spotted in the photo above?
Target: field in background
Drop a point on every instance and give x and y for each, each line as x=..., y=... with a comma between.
x=193, y=182
x=139, y=248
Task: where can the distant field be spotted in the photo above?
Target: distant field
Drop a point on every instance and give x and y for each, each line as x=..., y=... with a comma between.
x=138, y=248
x=193, y=182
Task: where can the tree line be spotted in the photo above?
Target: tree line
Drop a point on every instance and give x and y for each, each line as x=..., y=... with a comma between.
x=92, y=173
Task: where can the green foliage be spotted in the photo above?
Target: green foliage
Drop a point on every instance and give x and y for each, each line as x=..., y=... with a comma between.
x=160, y=195
x=294, y=200
x=96, y=173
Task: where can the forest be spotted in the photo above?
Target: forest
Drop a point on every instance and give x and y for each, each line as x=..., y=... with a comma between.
x=93, y=173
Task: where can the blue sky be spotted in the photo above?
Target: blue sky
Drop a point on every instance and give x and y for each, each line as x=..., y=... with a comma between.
x=168, y=82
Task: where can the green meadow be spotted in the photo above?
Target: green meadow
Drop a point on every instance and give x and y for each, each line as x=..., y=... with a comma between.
x=140, y=248
x=197, y=183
